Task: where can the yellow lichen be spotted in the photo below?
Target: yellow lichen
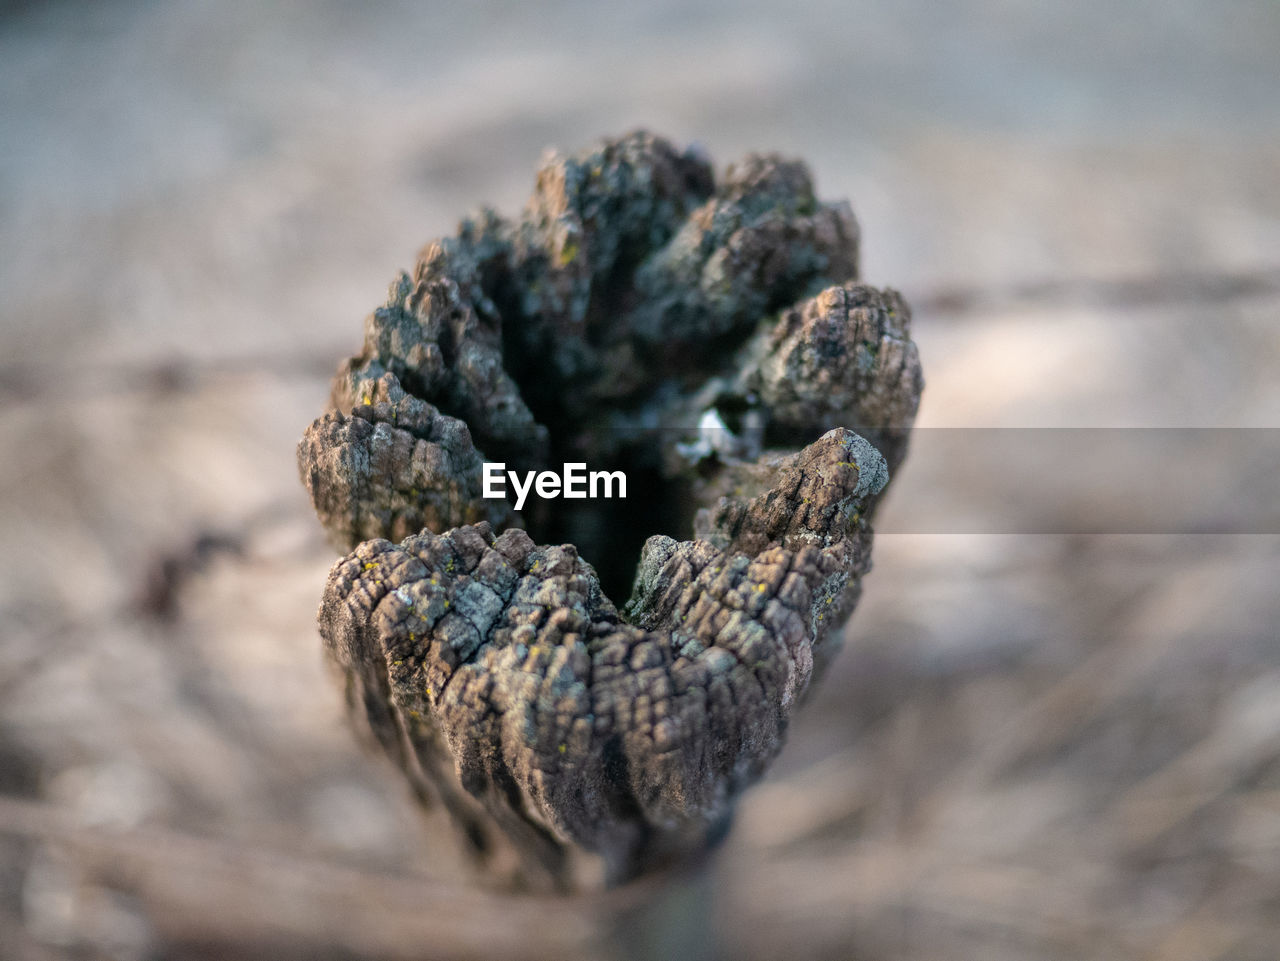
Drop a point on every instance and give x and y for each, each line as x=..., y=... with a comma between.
x=568, y=252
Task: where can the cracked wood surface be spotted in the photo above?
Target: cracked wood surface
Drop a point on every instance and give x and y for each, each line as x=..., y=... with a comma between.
x=639, y=297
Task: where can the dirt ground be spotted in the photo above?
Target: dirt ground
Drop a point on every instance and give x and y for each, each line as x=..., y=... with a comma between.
x=1055, y=730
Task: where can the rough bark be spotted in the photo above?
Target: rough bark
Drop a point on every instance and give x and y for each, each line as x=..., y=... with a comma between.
x=713, y=341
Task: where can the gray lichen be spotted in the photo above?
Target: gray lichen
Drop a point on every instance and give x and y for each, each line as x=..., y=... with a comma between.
x=713, y=341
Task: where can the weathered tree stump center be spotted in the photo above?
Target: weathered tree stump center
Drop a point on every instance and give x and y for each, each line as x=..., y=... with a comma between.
x=710, y=340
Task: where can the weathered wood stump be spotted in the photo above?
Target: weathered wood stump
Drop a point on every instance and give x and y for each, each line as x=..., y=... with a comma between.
x=712, y=342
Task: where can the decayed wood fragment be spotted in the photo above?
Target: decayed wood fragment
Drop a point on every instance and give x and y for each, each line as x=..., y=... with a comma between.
x=714, y=341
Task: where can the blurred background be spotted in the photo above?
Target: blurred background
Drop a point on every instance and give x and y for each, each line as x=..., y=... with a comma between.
x=1037, y=745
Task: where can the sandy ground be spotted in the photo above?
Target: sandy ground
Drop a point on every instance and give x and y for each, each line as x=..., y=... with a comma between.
x=1055, y=733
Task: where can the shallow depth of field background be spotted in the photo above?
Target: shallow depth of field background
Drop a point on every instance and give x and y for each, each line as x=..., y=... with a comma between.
x=1035, y=746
